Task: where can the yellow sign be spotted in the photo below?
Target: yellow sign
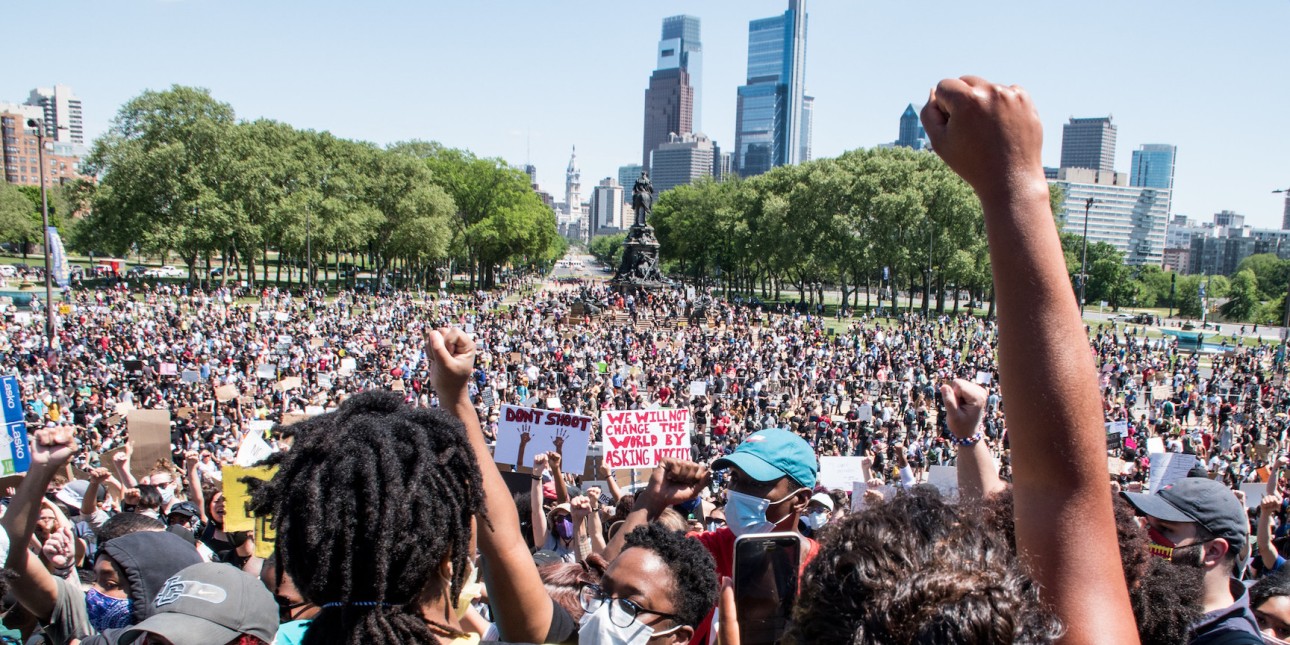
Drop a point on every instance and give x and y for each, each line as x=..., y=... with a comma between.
x=64, y=309
x=237, y=512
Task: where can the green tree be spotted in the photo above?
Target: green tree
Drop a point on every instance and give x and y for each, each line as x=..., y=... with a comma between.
x=16, y=222
x=1243, y=297
x=608, y=248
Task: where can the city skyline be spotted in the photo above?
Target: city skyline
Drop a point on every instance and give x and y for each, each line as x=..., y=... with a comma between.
x=527, y=91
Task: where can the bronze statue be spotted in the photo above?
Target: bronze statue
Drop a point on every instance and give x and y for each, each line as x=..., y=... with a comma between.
x=643, y=198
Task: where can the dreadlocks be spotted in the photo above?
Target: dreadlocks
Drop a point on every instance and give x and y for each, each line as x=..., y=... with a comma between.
x=367, y=504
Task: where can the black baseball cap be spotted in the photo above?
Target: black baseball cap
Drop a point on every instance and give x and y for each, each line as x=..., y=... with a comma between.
x=1201, y=500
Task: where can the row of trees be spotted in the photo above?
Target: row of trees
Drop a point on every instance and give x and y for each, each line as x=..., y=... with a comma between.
x=180, y=176
x=883, y=220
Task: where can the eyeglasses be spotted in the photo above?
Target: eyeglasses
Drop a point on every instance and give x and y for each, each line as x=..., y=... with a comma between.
x=622, y=612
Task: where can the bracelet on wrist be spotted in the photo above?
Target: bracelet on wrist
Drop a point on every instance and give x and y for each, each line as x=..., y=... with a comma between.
x=970, y=441
x=537, y=477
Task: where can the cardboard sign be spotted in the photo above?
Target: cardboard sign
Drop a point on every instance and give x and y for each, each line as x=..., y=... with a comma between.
x=515, y=357
x=316, y=342
x=287, y=384
x=1254, y=493
x=238, y=515
x=169, y=369
x=1161, y=392
x=150, y=438
x=397, y=386
x=289, y=418
x=15, y=453
x=1167, y=468
x=642, y=438
x=184, y=413
x=524, y=432
x=225, y=393
x=841, y=472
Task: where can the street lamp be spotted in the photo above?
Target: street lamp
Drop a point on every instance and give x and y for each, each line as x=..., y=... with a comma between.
x=39, y=125
x=1083, y=262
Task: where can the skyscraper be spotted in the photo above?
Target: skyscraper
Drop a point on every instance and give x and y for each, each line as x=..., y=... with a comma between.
x=606, y=206
x=1153, y=166
x=1089, y=143
x=772, y=104
x=681, y=161
x=808, y=122
x=912, y=134
x=672, y=96
x=627, y=175
x=63, y=117
x=1132, y=219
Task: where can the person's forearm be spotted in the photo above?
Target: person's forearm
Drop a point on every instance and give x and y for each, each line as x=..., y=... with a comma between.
x=1267, y=552
x=561, y=487
x=644, y=512
x=34, y=586
x=89, y=503
x=1062, y=503
x=614, y=491
x=1272, y=480
x=521, y=605
x=536, y=516
x=596, y=532
x=195, y=492
x=977, y=473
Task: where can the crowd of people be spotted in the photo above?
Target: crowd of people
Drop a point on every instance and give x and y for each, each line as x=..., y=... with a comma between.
x=391, y=523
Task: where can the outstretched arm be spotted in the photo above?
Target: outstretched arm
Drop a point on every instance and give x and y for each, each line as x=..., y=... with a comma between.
x=991, y=136
x=1267, y=552
x=964, y=409
x=33, y=585
x=538, y=516
x=523, y=609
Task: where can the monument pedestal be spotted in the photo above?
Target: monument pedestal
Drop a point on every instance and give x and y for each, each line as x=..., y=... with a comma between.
x=639, y=268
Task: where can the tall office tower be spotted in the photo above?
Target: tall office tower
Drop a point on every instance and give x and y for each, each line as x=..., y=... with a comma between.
x=1089, y=143
x=672, y=97
x=1285, y=217
x=627, y=176
x=63, y=118
x=769, y=112
x=606, y=206
x=682, y=160
x=1153, y=166
x=808, y=122
x=530, y=170
x=912, y=134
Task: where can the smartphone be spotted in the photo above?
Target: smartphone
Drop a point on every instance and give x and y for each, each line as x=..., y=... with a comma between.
x=766, y=571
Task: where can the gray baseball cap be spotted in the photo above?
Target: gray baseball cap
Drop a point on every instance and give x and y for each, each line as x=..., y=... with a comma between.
x=209, y=603
x=1200, y=500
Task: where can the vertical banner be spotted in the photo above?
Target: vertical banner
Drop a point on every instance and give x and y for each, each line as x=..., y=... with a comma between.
x=58, y=259
x=15, y=457
x=643, y=438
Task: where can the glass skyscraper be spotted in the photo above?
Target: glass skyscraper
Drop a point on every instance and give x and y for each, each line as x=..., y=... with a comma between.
x=1153, y=166
x=772, y=117
x=912, y=134
x=672, y=99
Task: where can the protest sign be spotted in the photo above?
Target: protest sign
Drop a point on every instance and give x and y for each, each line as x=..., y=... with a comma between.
x=123, y=409
x=699, y=388
x=237, y=512
x=1161, y=392
x=945, y=479
x=1167, y=468
x=553, y=402
x=1155, y=444
x=1254, y=493
x=324, y=381
x=864, y=412
x=316, y=342
x=397, y=386
x=841, y=472
x=225, y=393
x=253, y=449
x=190, y=376
x=289, y=418
x=150, y=438
x=266, y=371
x=15, y=455
x=289, y=383
x=281, y=316
x=169, y=369
x=488, y=397
x=983, y=378
x=515, y=357
x=184, y=413
x=642, y=438
x=1114, y=466
x=859, y=489
x=347, y=366
x=1118, y=427
x=524, y=432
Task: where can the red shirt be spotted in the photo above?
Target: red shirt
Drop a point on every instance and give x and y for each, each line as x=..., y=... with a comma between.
x=721, y=544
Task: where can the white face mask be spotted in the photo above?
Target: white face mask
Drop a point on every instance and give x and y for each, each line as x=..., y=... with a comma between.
x=598, y=629
x=816, y=519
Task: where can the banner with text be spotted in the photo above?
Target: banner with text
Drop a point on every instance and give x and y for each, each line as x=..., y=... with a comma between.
x=524, y=432
x=642, y=438
x=14, y=455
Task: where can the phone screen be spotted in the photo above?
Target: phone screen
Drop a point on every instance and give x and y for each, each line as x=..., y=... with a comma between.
x=766, y=569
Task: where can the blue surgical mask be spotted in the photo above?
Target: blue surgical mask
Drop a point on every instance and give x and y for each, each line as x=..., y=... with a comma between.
x=106, y=612
x=746, y=514
x=816, y=519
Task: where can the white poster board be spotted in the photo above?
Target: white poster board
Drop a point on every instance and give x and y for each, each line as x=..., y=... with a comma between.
x=841, y=472
x=983, y=378
x=698, y=388
x=945, y=479
x=1155, y=444
x=1254, y=492
x=1118, y=427
x=865, y=412
x=642, y=438
x=1167, y=468
x=524, y=432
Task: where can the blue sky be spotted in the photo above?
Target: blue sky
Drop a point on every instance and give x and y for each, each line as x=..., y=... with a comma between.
x=502, y=77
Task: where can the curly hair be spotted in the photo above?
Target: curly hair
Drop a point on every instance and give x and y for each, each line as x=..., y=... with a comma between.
x=125, y=524
x=693, y=571
x=918, y=570
x=1276, y=584
x=367, y=504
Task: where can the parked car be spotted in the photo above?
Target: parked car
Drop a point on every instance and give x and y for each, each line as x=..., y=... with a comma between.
x=164, y=272
x=135, y=271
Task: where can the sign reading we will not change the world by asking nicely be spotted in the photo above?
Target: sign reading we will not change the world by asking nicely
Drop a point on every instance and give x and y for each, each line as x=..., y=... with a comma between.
x=642, y=438
x=15, y=454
